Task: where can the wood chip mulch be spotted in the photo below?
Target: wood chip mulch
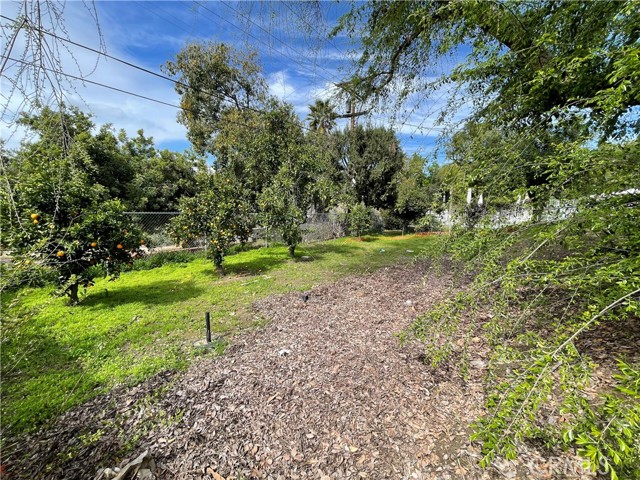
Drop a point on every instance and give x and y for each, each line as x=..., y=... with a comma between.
x=324, y=391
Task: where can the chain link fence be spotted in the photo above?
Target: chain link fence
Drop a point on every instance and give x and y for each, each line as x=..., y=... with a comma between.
x=322, y=226
x=155, y=227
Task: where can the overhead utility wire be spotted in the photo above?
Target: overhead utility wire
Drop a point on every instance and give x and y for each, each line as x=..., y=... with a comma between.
x=104, y=54
x=137, y=67
x=260, y=40
x=59, y=72
x=315, y=72
x=178, y=107
x=308, y=24
x=156, y=9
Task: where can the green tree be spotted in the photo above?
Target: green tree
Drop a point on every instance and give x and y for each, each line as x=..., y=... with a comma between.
x=248, y=147
x=162, y=179
x=359, y=219
x=214, y=79
x=322, y=116
x=217, y=214
x=369, y=160
x=54, y=215
x=113, y=168
x=279, y=211
x=274, y=164
x=285, y=198
x=418, y=189
x=529, y=62
x=130, y=169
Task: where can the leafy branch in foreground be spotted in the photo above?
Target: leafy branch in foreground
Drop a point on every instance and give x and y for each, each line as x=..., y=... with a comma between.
x=546, y=286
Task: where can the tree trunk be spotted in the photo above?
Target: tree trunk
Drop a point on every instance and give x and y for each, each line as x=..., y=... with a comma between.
x=73, y=293
x=220, y=270
x=292, y=251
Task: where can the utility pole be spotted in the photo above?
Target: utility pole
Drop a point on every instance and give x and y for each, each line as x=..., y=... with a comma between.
x=353, y=114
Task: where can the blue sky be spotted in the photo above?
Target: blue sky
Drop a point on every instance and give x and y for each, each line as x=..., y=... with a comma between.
x=299, y=67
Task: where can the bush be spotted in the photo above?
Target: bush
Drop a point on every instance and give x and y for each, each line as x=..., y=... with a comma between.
x=29, y=275
x=428, y=223
x=165, y=258
x=377, y=223
x=359, y=220
x=391, y=221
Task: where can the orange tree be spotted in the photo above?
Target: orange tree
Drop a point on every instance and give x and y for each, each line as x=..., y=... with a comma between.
x=219, y=215
x=53, y=216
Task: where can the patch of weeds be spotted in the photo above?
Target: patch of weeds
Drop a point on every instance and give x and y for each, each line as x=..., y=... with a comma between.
x=31, y=275
x=165, y=258
x=150, y=417
x=89, y=439
x=216, y=348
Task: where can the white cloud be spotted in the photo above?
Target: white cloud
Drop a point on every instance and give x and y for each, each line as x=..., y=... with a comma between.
x=135, y=34
x=280, y=85
x=108, y=106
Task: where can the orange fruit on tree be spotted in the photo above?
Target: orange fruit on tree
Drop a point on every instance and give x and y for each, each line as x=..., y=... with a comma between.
x=35, y=222
x=119, y=246
x=94, y=244
x=60, y=253
x=35, y=216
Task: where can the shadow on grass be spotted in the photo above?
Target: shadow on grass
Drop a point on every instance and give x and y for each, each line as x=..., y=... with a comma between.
x=319, y=250
x=262, y=260
x=160, y=292
x=40, y=374
x=255, y=262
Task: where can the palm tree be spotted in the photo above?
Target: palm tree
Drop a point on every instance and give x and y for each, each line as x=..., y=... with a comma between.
x=322, y=116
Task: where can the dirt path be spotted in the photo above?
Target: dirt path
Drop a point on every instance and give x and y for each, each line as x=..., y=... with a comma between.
x=323, y=391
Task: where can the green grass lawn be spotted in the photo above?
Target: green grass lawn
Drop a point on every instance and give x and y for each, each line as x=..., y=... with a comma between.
x=55, y=356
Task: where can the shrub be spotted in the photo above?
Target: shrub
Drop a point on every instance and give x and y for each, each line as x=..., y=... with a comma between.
x=428, y=223
x=219, y=214
x=391, y=221
x=13, y=277
x=359, y=220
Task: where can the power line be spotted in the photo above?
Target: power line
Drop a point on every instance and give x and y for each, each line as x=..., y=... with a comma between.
x=68, y=75
x=302, y=19
x=104, y=54
x=258, y=39
x=147, y=71
x=129, y=64
x=155, y=12
x=158, y=75
x=178, y=107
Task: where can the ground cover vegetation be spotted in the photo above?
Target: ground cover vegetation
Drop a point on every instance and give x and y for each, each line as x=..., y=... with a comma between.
x=66, y=193
x=55, y=356
x=554, y=119
x=554, y=94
